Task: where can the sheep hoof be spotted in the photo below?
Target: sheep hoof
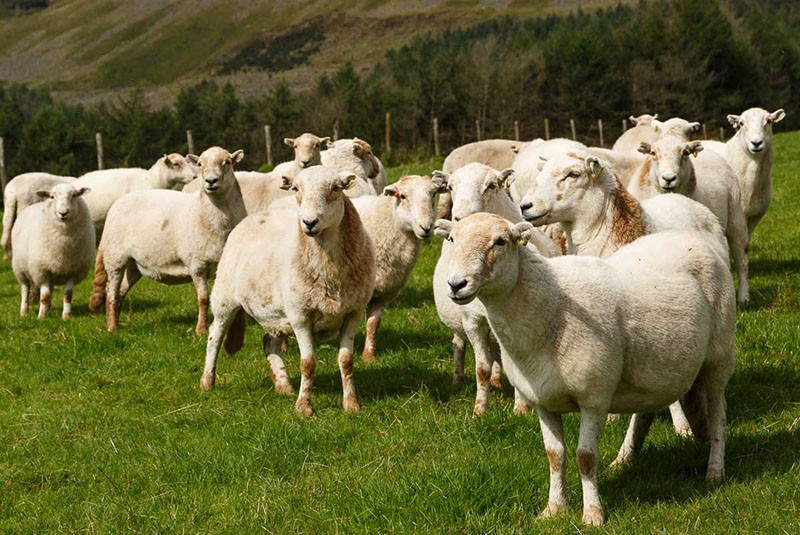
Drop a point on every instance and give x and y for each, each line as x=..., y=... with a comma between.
x=207, y=382
x=201, y=330
x=350, y=404
x=284, y=389
x=593, y=516
x=65, y=316
x=684, y=431
x=303, y=407
x=553, y=509
x=368, y=356
x=521, y=408
x=715, y=475
x=496, y=383
x=5, y=256
x=612, y=417
x=621, y=460
x=479, y=409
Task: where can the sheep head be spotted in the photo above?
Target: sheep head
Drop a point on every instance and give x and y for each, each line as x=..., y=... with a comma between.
x=307, y=149
x=319, y=192
x=414, y=207
x=476, y=187
x=755, y=128
x=216, y=170
x=62, y=201
x=670, y=169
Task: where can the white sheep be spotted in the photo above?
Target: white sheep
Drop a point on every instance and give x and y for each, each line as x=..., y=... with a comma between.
x=477, y=188
x=169, y=236
x=397, y=223
x=259, y=190
x=53, y=245
x=750, y=153
x=356, y=156
x=668, y=168
x=642, y=130
x=307, y=148
x=599, y=216
x=634, y=332
x=20, y=193
x=111, y=184
x=526, y=163
x=311, y=274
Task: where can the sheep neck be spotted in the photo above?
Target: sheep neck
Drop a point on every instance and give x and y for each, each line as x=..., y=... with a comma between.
x=753, y=171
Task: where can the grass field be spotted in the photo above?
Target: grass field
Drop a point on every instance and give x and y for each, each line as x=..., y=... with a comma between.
x=110, y=433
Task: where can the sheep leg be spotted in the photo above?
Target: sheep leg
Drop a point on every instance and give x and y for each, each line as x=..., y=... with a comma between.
x=113, y=299
x=132, y=276
x=497, y=366
x=277, y=368
x=591, y=423
x=66, y=311
x=478, y=334
x=520, y=403
x=679, y=421
x=459, y=350
x=715, y=396
x=553, y=435
x=308, y=365
x=223, y=317
x=45, y=297
x=24, y=290
x=634, y=438
x=201, y=287
x=737, y=243
x=370, y=344
x=345, y=358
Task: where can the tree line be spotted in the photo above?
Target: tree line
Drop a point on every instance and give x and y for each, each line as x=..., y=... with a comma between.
x=698, y=60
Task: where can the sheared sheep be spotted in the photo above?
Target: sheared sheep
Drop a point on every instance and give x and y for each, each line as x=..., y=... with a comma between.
x=307, y=148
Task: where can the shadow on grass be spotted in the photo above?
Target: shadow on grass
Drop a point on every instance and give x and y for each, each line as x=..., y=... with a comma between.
x=413, y=297
x=376, y=383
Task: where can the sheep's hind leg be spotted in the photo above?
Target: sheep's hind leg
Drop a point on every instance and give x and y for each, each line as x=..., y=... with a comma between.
x=459, y=350
x=66, y=311
x=497, y=367
x=679, y=421
x=113, y=298
x=479, y=338
x=591, y=423
x=634, y=438
x=132, y=276
x=201, y=287
x=45, y=298
x=370, y=343
x=345, y=358
x=24, y=290
x=277, y=369
x=553, y=436
x=219, y=327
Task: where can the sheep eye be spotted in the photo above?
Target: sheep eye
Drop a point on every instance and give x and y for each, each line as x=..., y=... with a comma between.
x=402, y=197
x=293, y=188
x=491, y=185
x=449, y=238
x=500, y=242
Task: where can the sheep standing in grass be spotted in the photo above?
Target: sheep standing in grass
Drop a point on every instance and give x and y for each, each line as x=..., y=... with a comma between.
x=54, y=245
x=709, y=180
x=311, y=274
x=477, y=188
x=750, y=153
x=356, y=156
x=599, y=216
x=111, y=184
x=397, y=223
x=307, y=148
x=169, y=236
x=20, y=193
x=590, y=335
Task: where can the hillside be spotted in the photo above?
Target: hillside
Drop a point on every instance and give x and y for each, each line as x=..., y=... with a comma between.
x=86, y=50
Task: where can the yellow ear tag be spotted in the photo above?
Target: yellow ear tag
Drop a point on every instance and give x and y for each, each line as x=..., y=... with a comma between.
x=522, y=242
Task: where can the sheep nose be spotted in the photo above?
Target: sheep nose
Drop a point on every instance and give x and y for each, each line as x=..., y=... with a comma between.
x=456, y=219
x=305, y=162
x=457, y=285
x=669, y=179
x=212, y=181
x=757, y=144
x=310, y=224
x=525, y=206
x=425, y=230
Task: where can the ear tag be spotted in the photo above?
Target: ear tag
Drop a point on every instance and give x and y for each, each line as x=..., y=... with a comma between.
x=522, y=242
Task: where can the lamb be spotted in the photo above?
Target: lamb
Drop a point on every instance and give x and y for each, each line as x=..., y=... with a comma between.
x=111, y=184
x=750, y=153
x=397, y=223
x=477, y=188
x=599, y=216
x=603, y=335
x=169, y=236
x=307, y=148
x=356, y=156
x=642, y=130
x=311, y=274
x=20, y=193
x=710, y=181
x=526, y=163
x=54, y=245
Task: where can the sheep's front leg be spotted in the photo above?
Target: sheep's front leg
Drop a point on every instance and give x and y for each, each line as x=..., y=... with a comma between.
x=373, y=322
x=223, y=317
x=308, y=365
x=497, y=366
x=346, y=337
x=24, y=290
x=591, y=423
x=200, y=282
x=478, y=334
x=277, y=369
x=67, y=309
x=553, y=436
x=459, y=350
x=45, y=297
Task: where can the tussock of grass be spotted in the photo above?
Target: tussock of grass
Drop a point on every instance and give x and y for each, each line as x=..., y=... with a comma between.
x=111, y=433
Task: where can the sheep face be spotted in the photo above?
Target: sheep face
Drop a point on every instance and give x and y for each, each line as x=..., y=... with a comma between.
x=216, y=170
x=307, y=149
x=557, y=192
x=643, y=119
x=363, y=151
x=62, y=202
x=319, y=192
x=414, y=204
x=755, y=128
x=484, y=257
x=181, y=170
x=676, y=127
x=670, y=167
x=475, y=187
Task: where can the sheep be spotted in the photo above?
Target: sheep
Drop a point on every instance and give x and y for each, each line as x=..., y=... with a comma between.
x=169, y=236
x=750, y=153
x=642, y=130
x=397, y=223
x=111, y=184
x=496, y=153
x=710, y=180
x=477, y=188
x=307, y=148
x=259, y=190
x=54, y=245
x=603, y=335
x=20, y=193
x=356, y=156
x=526, y=163
x=599, y=216
x=311, y=274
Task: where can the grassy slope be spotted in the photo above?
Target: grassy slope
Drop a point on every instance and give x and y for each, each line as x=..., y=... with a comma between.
x=106, y=433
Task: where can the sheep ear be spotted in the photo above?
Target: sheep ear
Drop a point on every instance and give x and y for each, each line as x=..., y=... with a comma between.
x=81, y=191
x=633, y=119
x=521, y=232
x=655, y=116
x=442, y=228
x=777, y=115
x=657, y=125
x=506, y=178
x=645, y=148
x=170, y=162
x=237, y=156
x=735, y=121
x=329, y=144
x=192, y=159
x=594, y=166
x=347, y=179
x=288, y=141
x=693, y=148
x=695, y=127
x=390, y=191
x=286, y=182
x=324, y=140
x=515, y=149
x=439, y=179
x=44, y=194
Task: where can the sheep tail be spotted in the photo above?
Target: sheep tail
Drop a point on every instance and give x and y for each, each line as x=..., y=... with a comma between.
x=234, y=340
x=100, y=280
x=9, y=214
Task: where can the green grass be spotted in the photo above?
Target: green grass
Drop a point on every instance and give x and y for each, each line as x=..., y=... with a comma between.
x=108, y=433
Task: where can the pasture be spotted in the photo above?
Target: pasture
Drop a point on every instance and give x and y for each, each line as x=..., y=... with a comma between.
x=110, y=433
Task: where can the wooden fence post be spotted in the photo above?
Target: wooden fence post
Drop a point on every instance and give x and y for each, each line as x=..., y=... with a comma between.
x=98, y=139
x=624, y=125
x=600, y=128
x=705, y=132
x=721, y=134
x=478, y=129
x=268, y=142
x=572, y=127
x=3, y=178
x=547, y=129
x=336, y=130
x=190, y=141
x=436, y=149
x=388, y=132
x=516, y=130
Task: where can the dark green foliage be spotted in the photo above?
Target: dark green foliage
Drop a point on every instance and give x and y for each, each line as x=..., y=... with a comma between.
x=280, y=53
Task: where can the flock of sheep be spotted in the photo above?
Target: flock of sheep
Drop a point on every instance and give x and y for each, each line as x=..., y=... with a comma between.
x=562, y=262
